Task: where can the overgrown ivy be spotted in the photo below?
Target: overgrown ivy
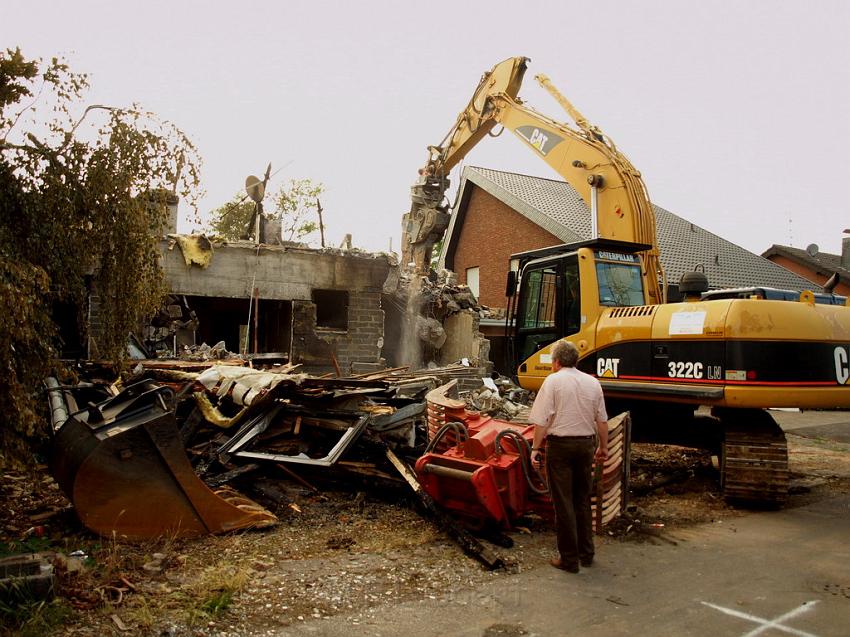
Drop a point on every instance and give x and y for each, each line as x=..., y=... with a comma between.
x=82, y=205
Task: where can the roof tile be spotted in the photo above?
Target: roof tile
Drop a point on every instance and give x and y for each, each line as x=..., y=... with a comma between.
x=557, y=207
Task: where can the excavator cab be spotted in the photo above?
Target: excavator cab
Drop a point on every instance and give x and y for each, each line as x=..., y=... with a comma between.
x=549, y=304
x=562, y=290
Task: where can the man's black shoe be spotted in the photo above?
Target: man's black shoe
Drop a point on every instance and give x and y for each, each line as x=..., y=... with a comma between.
x=586, y=562
x=570, y=568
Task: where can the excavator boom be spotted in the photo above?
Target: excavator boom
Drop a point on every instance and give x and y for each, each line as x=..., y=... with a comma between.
x=582, y=155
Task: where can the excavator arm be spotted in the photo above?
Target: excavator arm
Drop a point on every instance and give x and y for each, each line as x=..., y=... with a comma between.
x=584, y=156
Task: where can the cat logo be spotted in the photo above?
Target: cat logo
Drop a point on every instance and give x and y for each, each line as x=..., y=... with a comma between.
x=538, y=139
x=607, y=367
x=542, y=141
x=842, y=364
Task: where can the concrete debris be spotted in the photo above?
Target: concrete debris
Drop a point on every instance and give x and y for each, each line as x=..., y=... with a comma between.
x=430, y=331
x=499, y=398
x=204, y=352
x=495, y=313
x=173, y=316
x=491, y=403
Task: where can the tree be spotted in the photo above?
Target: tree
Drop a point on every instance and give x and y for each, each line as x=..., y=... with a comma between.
x=231, y=220
x=82, y=200
x=295, y=206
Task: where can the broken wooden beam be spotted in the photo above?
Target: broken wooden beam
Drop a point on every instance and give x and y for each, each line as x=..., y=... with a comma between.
x=296, y=477
x=470, y=545
x=227, y=476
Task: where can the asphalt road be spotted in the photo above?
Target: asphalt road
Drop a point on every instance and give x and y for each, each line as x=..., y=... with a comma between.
x=829, y=425
x=767, y=573
x=770, y=573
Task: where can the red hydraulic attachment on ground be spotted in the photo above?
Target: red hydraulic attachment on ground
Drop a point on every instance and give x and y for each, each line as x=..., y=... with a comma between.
x=479, y=468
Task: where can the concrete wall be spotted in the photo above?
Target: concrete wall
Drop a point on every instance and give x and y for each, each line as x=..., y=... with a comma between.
x=491, y=232
x=279, y=272
x=287, y=273
x=463, y=340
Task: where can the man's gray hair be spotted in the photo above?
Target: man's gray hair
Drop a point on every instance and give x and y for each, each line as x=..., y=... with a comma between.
x=565, y=353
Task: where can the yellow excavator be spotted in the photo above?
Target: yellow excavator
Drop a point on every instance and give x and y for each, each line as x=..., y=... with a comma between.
x=738, y=351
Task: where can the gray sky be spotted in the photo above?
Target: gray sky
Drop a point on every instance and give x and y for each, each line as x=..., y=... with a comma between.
x=735, y=112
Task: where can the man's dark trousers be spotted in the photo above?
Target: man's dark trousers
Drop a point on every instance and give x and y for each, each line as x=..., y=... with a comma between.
x=569, y=462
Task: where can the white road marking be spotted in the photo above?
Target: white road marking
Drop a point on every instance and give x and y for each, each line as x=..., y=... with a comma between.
x=767, y=624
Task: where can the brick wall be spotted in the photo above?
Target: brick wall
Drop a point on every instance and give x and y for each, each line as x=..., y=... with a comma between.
x=360, y=343
x=806, y=273
x=491, y=232
x=365, y=329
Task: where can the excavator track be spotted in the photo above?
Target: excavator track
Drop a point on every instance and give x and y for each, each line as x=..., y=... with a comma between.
x=754, y=458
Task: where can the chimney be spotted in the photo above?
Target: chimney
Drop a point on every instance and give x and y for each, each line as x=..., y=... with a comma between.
x=172, y=201
x=845, y=253
x=159, y=198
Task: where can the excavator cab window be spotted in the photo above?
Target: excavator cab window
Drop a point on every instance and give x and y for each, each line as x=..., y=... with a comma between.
x=549, y=305
x=539, y=303
x=620, y=284
x=572, y=297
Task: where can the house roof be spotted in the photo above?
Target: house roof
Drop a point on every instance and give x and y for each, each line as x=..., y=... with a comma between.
x=557, y=207
x=821, y=263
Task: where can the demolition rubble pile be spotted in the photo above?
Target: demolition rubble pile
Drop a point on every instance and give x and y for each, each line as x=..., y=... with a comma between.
x=233, y=419
x=173, y=315
x=161, y=452
x=157, y=456
x=499, y=398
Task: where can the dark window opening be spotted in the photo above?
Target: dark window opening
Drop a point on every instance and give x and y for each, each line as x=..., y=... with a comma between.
x=222, y=319
x=66, y=315
x=331, y=309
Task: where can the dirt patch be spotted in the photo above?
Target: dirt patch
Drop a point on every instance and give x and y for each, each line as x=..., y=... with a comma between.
x=345, y=553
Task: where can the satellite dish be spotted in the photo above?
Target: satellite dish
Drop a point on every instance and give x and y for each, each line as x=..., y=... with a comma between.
x=255, y=188
x=812, y=249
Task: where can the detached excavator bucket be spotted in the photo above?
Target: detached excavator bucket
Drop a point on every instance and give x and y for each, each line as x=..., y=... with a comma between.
x=122, y=464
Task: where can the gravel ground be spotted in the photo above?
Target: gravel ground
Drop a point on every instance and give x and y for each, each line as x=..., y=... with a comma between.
x=351, y=554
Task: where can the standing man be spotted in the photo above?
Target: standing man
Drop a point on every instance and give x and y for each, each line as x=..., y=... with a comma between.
x=569, y=414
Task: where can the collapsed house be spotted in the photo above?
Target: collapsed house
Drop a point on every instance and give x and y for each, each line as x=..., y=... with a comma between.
x=321, y=308
x=338, y=311
x=298, y=316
